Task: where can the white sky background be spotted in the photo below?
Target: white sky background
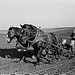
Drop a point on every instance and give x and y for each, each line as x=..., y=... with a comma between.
x=44, y=13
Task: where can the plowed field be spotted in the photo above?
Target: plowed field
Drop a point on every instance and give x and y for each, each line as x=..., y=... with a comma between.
x=9, y=66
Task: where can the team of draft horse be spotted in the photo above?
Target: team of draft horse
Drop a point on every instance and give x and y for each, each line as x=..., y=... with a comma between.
x=39, y=44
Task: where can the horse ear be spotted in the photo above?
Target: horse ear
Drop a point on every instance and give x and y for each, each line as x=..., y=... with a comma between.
x=10, y=26
x=39, y=26
x=33, y=27
x=21, y=25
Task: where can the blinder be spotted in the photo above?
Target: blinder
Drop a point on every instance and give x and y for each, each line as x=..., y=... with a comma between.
x=10, y=36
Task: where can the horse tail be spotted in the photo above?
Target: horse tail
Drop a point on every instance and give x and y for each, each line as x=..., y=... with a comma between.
x=54, y=38
x=58, y=38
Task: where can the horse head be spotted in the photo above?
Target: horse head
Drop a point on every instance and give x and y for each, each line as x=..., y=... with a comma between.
x=29, y=31
x=12, y=33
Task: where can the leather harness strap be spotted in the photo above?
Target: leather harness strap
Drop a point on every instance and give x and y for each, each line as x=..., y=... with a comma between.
x=38, y=37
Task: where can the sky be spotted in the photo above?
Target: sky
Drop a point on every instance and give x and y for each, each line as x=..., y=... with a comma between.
x=44, y=13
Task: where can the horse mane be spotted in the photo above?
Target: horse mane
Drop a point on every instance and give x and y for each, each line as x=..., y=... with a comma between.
x=13, y=28
x=29, y=27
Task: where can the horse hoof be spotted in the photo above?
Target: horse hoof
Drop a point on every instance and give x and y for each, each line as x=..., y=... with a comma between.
x=25, y=50
x=33, y=57
x=19, y=50
x=25, y=61
x=35, y=64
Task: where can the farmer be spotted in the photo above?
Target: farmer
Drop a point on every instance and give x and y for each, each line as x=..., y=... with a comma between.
x=73, y=35
x=73, y=39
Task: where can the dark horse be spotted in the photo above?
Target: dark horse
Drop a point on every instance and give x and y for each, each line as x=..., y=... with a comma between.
x=15, y=32
x=40, y=40
x=34, y=40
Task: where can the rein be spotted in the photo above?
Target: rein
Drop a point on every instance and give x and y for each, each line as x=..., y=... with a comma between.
x=37, y=38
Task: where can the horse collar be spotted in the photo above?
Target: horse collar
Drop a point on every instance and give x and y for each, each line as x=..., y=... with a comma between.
x=36, y=36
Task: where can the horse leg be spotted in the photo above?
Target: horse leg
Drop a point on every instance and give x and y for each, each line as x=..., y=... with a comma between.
x=24, y=60
x=60, y=51
x=20, y=59
x=37, y=54
x=17, y=44
x=71, y=51
x=57, y=54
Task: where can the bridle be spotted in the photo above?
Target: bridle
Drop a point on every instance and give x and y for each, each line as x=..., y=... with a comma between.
x=9, y=34
x=14, y=36
x=27, y=37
